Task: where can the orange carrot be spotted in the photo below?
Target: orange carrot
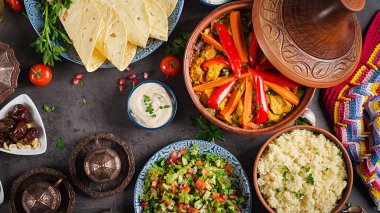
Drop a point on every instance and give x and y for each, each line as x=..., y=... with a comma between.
x=234, y=100
x=210, y=40
x=238, y=36
x=218, y=82
x=247, y=110
x=284, y=92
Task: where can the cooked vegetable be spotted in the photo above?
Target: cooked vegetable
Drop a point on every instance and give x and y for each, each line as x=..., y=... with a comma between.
x=276, y=78
x=219, y=82
x=170, y=66
x=284, y=92
x=264, y=65
x=217, y=60
x=187, y=181
x=220, y=94
x=234, y=100
x=248, y=96
x=261, y=114
x=210, y=40
x=238, y=35
x=16, y=5
x=230, y=48
x=253, y=50
x=40, y=75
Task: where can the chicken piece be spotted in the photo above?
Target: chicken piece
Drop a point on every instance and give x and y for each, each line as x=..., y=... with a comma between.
x=205, y=95
x=209, y=52
x=213, y=72
x=278, y=105
x=273, y=118
x=196, y=72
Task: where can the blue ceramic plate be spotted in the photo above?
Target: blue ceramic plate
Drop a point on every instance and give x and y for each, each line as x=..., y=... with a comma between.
x=204, y=147
x=37, y=21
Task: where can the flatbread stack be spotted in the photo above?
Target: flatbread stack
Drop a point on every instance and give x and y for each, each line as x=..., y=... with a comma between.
x=113, y=29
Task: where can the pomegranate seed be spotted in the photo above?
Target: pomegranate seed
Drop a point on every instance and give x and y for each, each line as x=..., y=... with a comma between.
x=76, y=81
x=122, y=81
x=223, y=196
x=144, y=203
x=79, y=75
x=131, y=77
x=121, y=87
x=135, y=82
x=187, y=175
x=195, y=178
x=146, y=75
x=128, y=69
x=187, y=206
x=170, y=160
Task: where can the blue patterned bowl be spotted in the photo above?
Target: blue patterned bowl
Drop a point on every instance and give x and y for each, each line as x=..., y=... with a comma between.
x=204, y=147
x=37, y=21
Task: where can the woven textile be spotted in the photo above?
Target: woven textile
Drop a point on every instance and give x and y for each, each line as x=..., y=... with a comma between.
x=354, y=108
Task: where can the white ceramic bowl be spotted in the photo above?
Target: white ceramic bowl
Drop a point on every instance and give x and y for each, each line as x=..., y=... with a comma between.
x=1, y=193
x=37, y=122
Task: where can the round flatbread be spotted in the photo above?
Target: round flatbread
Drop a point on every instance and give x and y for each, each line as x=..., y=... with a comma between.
x=168, y=6
x=159, y=24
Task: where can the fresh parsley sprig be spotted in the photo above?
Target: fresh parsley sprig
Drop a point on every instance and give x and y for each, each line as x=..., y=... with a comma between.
x=177, y=45
x=46, y=43
x=207, y=131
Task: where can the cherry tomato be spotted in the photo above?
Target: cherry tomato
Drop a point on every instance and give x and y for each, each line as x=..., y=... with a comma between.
x=170, y=66
x=40, y=75
x=16, y=5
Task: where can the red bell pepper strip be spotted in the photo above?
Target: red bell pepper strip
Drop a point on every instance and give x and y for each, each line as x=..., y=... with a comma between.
x=265, y=65
x=218, y=60
x=261, y=114
x=253, y=50
x=276, y=78
x=230, y=48
x=220, y=94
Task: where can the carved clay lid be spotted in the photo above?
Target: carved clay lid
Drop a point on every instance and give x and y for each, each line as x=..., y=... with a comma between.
x=9, y=71
x=102, y=165
x=316, y=43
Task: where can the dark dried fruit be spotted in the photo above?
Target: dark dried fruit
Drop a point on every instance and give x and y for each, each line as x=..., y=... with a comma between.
x=21, y=113
x=6, y=125
x=19, y=131
x=30, y=135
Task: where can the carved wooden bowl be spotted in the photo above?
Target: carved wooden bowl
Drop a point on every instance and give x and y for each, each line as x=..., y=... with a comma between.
x=120, y=156
x=59, y=196
x=9, y=71
x=316, y=43
x=290, y=118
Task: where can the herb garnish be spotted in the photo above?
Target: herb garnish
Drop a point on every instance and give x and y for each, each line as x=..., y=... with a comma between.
x=177, y=45
x=299, y=195
x=259, y=106
x=340, y=153
x=310, y=179
x=207, y=131
x=46, y=43
x=149, y=106
x=48, y=108
x=60, y=144
x=286, y=170
x=226, y=72
x=301, y=121
x=165, y=107
x=84, y=102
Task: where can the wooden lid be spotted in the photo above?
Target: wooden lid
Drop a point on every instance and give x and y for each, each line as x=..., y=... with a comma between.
x=316, y=43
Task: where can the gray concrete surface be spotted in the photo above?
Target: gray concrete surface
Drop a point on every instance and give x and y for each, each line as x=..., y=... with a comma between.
x=106, y=113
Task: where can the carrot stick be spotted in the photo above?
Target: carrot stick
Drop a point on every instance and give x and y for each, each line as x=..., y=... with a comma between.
x=210, y=40
x=234, y=100
x=247, y=110
x=284, y=92
x=238, y=36
x=219, y=82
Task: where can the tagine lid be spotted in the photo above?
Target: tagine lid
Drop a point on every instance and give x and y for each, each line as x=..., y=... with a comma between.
x=314, y=43
x=9, y=71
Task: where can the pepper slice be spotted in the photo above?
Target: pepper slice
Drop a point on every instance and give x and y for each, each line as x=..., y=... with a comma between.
x=230, y=48
x=220, y=94
x=218, y=60
x=276, y=78
x=253, y=50
x=261, y=114
x=264, y=65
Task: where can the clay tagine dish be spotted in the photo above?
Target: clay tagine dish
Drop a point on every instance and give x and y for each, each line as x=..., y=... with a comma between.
x=315, y=43
x=42, y=190
x=102, y=165
x=9, y=71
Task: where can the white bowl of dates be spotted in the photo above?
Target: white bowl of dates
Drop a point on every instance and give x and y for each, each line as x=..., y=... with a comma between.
x=22, y=131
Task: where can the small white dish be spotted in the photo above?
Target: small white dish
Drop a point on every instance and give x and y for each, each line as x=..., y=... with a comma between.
x=37, y=122
x=1, y=193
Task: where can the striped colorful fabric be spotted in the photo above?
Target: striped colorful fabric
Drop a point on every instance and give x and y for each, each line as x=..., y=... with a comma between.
x=354, y=107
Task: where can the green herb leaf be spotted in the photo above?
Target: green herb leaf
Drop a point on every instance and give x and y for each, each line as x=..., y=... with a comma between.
x=81, y=82
x=259, y=106
x=177, y=45
x=301, y=121
x=60, y=144
x=310, y=179
x=299, y=195
x=51, y=165
x=84, y=102
x=340, y=153
x=206, y=130
x=48, y=108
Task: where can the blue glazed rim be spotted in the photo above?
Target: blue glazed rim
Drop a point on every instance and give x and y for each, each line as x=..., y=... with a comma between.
x=171, y=146
x=174, y=100
x=213, y=5
x=107, y=64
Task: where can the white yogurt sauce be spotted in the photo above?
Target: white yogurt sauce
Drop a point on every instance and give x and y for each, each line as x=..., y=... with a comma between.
x=151, y=105
x=216, y=1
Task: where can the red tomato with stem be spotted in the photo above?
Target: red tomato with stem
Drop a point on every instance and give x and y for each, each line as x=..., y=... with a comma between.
x=40, y=75
x=171, y=66
x=16, y=5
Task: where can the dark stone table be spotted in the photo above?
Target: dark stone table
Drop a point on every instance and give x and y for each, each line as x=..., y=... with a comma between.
x=106, y=113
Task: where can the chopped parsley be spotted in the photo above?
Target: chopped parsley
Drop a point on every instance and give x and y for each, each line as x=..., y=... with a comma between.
x=299, y=195
x=48, y=108
x=286, y=171
x=149, y=106
x=310, y=179
x=165, y=106
x=340, y=153
x=60, y=144
x=84, y=102
x=259, y=106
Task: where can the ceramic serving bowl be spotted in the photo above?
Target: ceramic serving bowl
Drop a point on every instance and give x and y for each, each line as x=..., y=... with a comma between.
x=171, y=95
x=349, y=169
x=290, y=118
x=211, y=5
